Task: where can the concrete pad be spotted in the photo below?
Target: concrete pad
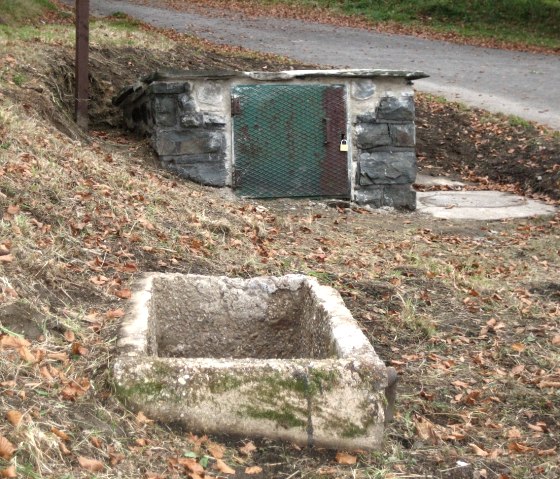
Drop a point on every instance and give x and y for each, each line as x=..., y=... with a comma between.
x=279, y=357
x=480, y=205
x=428, y=180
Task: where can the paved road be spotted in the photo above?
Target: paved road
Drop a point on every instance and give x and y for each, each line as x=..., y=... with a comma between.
x=522, y=84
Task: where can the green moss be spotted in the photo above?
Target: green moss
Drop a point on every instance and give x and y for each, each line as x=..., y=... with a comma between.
x=225, y=383
x=271, y=387
x=353, y=430
x=146, y=390
x=284, y=417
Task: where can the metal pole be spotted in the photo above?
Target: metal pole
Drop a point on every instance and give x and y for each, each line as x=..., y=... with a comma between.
x=82, y=56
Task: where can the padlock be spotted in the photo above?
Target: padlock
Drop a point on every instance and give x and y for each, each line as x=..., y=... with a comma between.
x=343, y=145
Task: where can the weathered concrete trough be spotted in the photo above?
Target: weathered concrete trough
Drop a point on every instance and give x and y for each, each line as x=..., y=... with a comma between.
x=279, y=357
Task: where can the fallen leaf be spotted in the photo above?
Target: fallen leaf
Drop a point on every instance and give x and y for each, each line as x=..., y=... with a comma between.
x=223, y=467
x=13, y=342
x=63, y=449
x=96, y=442
x=216, y=450
x=69, y=336
x=513, y=433
x=518, y=347
x=253, y=470
x=547, y=452
x=344, y=458
x=9, y=472
x=14, y=417
x=58, y=357
x=478, y=451
x=519, y=447
x=556, y=340
x=60, y=434
x=74, y=390
x=153, y=475
x=549, y=384
x=123, y=293
x=26, y=355
x=79, y=350
x=248, y=448
x=92, y=465
x=99, y=280
x=190, y=464
x=7, y=258
x=426, y=430
x=142, y=419
x=7, y=449
x=12, y=210
x=115, y=458
x=115, y=313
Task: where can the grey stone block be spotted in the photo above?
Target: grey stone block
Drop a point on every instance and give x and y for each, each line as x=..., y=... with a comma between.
x=189, y=142
x=187, y=104
x=403, y=135
x=165, y=111
x=193, y=159
x=206, y=173
x=371, y=136
x=394, y=108
x=363, y=89
x=190, y=120
x=387, y=168
x=169, y=87
x=365, y=118
x=399, y=196
x=395, y=196
x=214, y=119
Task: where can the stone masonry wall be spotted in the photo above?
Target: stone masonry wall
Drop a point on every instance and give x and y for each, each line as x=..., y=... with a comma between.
x=386, y=159
x=189, y=120
x=189, y=139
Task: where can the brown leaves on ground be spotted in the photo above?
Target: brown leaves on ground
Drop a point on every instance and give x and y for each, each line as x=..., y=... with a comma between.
x=7, y=449
x=248, y=448
x=345, y=458
x=14, y=417
x=9, y=472
x=223, y=467
x=253, y=470
x=89, y=464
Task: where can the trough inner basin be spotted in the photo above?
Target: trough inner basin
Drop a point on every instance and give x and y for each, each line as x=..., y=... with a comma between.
x=237, y=319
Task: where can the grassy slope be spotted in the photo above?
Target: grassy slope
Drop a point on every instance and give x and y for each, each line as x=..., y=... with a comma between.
x=15, y=12
x=529, y=22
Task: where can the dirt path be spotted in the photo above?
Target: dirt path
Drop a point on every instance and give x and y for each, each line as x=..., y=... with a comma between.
x=518, y=83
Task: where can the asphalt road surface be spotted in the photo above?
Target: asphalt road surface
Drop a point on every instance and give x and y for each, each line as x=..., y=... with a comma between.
x=517, y=83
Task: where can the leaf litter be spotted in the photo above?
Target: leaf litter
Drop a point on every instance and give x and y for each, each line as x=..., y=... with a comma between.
x=467, y=312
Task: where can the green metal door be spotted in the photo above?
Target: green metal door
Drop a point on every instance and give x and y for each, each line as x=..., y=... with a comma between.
x=286, y=140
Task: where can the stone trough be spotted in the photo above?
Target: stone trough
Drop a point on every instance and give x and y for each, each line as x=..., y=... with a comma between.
x=277, y=357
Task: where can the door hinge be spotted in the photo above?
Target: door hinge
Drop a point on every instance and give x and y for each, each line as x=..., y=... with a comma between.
x=235, y=106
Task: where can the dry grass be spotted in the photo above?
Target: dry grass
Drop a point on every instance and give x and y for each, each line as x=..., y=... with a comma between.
x=468, y=312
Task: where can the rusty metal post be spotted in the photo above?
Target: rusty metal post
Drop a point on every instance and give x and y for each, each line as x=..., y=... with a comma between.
x=82, y=58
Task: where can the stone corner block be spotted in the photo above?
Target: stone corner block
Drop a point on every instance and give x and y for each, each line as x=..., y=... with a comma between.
x=394, y=196
x=386, y=168
x=396, y=108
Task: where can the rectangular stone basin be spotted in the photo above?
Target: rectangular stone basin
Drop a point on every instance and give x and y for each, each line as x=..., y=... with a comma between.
x=277, y=357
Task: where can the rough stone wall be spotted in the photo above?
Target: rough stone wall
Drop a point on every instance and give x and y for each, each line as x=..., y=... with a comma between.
x=190, y=125
x=189, y=137
x=384, y=140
